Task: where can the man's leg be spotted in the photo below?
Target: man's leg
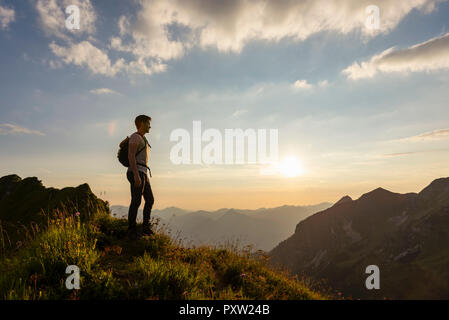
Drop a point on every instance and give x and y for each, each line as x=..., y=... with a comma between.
x=136, y=198
x=149, y=201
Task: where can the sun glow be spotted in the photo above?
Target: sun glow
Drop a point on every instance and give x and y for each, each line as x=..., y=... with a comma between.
x=290, y=167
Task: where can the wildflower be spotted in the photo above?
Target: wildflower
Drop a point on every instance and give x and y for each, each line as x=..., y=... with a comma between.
x=243, y=275
x=77, y=214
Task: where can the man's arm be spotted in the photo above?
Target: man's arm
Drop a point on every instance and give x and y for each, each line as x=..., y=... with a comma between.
x=132, y=150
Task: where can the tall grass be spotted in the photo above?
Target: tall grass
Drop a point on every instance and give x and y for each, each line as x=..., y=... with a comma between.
x=155, y=267
x=41, y=262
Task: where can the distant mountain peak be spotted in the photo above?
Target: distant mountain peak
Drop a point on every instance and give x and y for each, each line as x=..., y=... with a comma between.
x=343, y=200
x=172, y=208
x=438, y=184
x=441, y=180
x=376, y=194
x=438, y=187
x=380, y=189
x=392, y=228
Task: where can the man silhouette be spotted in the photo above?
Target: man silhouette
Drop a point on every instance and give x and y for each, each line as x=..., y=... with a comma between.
x=137, y=174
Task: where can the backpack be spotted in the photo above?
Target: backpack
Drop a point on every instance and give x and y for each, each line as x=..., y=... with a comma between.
x=122, y=154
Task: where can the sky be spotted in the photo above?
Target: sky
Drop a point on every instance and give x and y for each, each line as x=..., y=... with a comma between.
x=356, y=105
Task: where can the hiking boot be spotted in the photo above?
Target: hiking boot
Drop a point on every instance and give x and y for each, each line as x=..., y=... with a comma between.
x=147, y=232
x=146, y=228
x=132, y=235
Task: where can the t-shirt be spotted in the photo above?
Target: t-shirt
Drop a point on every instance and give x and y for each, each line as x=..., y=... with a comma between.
x=143, y=156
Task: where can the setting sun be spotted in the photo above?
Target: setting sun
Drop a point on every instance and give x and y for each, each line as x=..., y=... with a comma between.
x=290, y=167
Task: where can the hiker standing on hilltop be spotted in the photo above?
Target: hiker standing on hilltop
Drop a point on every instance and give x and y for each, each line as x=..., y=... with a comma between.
x=137, y=174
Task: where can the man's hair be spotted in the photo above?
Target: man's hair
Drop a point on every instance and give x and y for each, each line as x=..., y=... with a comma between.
x=140, y=119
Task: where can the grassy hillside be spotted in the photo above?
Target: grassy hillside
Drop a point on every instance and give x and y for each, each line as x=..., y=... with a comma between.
x=112, y=267
x=151, y=268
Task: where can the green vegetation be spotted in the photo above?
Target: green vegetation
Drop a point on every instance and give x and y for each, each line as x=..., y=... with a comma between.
x=154, y=267
x=44, y=230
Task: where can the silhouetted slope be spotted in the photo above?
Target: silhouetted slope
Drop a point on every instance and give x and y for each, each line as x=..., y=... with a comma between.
x=344, y=200
x=406, y=235
x=23, y=201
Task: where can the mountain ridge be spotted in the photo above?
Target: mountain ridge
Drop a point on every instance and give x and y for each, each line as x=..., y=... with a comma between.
x=401, y=233
x=26, y=201
x=263, y=228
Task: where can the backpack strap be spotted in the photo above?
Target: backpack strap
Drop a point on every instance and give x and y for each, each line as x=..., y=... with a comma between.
x=146, y=142
x=140, y=164
x=141, y=150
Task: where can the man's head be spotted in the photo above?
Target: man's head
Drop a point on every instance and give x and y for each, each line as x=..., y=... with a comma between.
x=143, y=123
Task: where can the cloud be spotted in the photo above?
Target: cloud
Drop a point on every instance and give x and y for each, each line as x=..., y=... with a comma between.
x=124, y=25
x=398, y=154
x=165, y=30
x=323, y=83
x=229, y=25
x=103, y=91
x=162, y=30
x=52, y=17
x=435, y=135
x=87, y=55
x=427, y=56
x=12, y=129
x=432, y=135
x=55, y=64
x=239, y=112
x=7, y=16
x=302, y=84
